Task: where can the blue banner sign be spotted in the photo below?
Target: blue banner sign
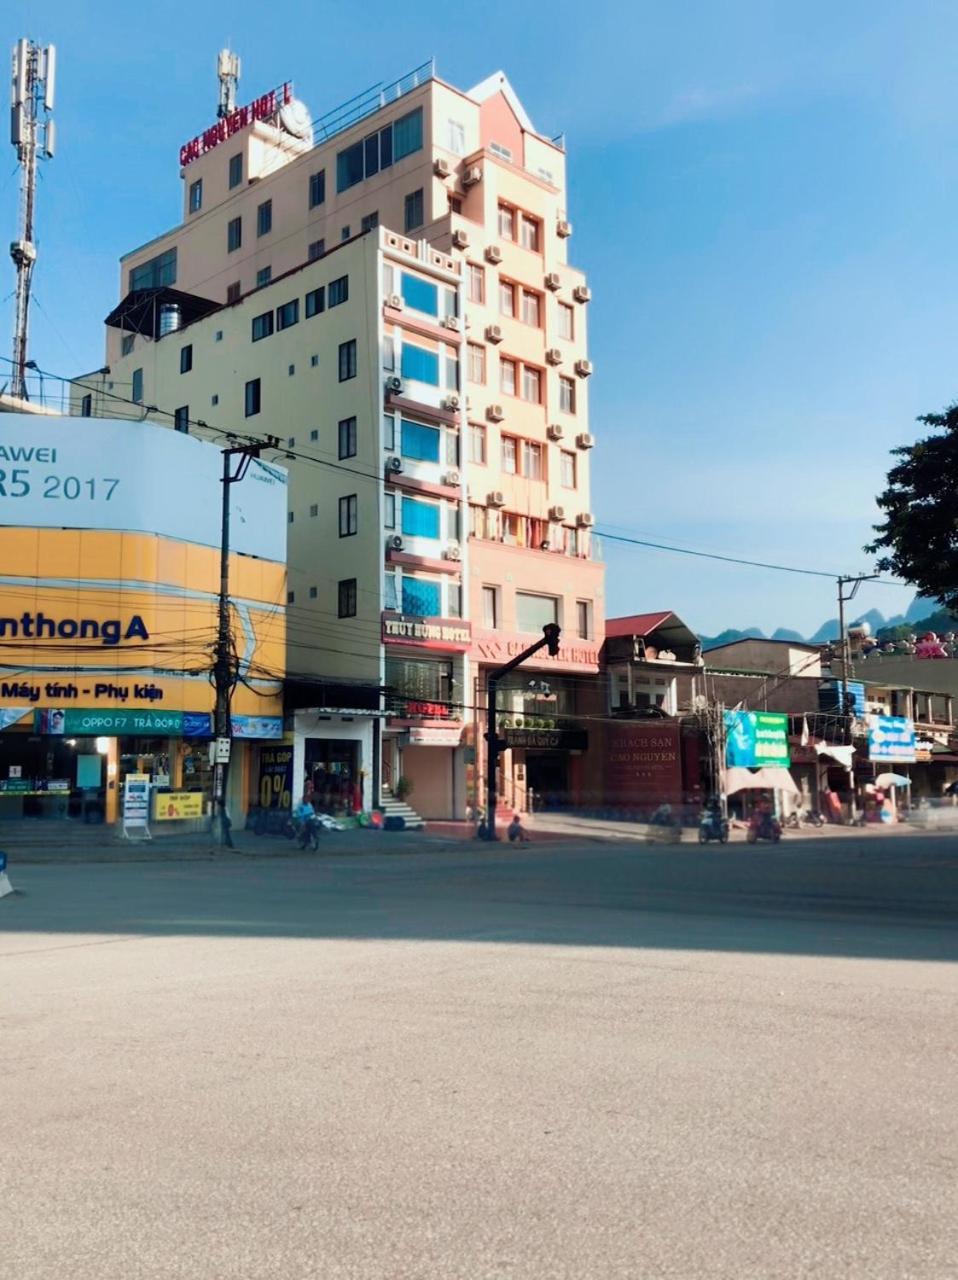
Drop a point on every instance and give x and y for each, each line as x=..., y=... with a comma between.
x=891, y=738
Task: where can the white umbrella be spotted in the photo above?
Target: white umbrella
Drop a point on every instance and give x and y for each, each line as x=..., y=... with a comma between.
x=766, y=779
x=892, y=780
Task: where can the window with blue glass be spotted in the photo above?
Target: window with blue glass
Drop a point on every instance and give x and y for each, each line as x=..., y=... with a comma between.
x=421, y=599
x=407, y=134
x=420, y=295
x=366, y=158
x=420, y=519
x=420, y=365
x=390, y=599
x=419, y=442
x=156, y=273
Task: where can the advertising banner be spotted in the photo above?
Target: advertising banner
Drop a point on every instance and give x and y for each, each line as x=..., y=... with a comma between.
x=74, y=722
x=644, y=764
x=276, y=777
x=173, y=805
x=756, y=739
x=891, y=738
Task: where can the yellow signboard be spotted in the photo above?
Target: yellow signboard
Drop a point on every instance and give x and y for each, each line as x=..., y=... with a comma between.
x=178, y=804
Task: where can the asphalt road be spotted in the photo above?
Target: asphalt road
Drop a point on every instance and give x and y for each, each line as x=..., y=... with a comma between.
x=599, y=1062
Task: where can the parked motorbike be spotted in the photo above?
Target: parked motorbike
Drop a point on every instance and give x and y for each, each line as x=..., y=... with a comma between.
x=308, y=830
x=808, y=818
x=712, y=826
x=763, y=826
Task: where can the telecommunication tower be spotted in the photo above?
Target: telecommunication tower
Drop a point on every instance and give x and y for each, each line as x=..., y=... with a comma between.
x=32, y=133
x=228, y=71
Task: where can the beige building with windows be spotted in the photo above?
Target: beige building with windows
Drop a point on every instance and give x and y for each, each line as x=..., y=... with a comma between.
x=386, y=290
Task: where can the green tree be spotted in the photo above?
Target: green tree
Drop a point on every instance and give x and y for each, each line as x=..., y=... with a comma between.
x=918, y=539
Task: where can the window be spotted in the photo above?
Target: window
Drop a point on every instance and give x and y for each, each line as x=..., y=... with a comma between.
x=288, y=314
x=420, y=443
x=566, y=321
x=420, y=365
x=317, y=188
x=186, y=358
x=347, y=598
x=419, y=295
x=313, y=593
x=531, y=460
x=315, y=301
x=338, y=291
x=414, y=212
x=345, y=233
x=214, y=399
x=507, y=376
x=477, y=283
x=290, y=517
x=529, y=232
x=252, y=398
x=137, y=393
x=232, y=295
x=507, y=298
x=263, y=277
x=370, y=221
x=421, y=599
x=348, y=516
x=533, y=612
x=234, y=234
x=498, y=149
x=236, y=170
x=347, y=438
x=568, y=464
x=390, y=600
x=531, y=384
x=290, y=597
x=531, y=308
x=510, y=455
x=420, y=519
x=314, y=434
x=264, y=218
x=347, y=360
x=566, y=395
x=317, y=249
x=155, y=274
x=126, y=344
x=455, y=204
x=314, y=360
x=389, y=352
x=477, y=363
x=86, y=407
x=389, y=510
x=196, y=195
x=389, y=431
x=314, y=509
x=456, y=138
x=364, y=159
x=262, y=326
x=583, y=620
x=477, y=444
x=507, y=222
x=490, y=607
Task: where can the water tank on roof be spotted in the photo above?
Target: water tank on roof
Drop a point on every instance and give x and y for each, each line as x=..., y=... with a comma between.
x=170, y=319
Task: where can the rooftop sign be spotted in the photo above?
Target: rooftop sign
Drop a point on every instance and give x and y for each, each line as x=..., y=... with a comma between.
x=263, y=108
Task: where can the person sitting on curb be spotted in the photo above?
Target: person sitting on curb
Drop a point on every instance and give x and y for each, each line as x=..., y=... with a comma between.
x=517, y=831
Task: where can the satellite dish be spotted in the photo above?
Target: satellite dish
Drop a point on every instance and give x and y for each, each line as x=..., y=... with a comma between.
x=294, y=119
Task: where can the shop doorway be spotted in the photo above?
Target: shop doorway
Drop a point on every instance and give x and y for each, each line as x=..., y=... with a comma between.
x=332, y=774
x=52, y=778
x=547, y=779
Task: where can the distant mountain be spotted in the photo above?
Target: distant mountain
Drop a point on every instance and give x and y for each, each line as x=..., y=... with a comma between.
x=922, y=614
x=873, y=617
x=921, y=607
x=827, y=631
x=783, y=633
x=726, y=637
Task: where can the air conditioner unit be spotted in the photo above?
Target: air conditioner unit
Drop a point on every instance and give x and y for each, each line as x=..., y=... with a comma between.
x=460, y=240
x=494, y=254
x=564, y=228
x=495, y=413
x=451, y=402
x=555, y=431
x=394, y=464
x=585, y=439
x=496, y=498
x=395, y=301
x=585, y=519
x=472, y=175
x=553, y=281
x=453, y=552
x=553, y=356
x=582, y=293
x=493, y=333
x=394, y=385
x=557, y=513
x=451, y=322
x=441, y=167
x=452, y=478
x=396, y=543
x=583, y=368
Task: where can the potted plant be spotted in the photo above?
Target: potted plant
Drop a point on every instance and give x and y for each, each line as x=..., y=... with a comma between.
x=403, y=787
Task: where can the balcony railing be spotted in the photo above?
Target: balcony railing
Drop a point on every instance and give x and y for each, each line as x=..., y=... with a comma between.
x=369, y=101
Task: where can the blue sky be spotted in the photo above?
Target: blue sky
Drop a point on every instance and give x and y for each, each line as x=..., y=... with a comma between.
x=763, y=197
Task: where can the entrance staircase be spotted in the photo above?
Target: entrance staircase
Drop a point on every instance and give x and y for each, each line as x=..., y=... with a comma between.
x=393, y=808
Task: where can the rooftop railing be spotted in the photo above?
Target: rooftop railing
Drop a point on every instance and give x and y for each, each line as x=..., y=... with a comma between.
x=369, y=101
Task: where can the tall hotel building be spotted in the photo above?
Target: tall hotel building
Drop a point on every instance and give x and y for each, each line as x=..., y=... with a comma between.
x=387, y=290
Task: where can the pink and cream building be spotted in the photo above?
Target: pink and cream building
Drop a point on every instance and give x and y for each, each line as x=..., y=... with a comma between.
x=386, y=288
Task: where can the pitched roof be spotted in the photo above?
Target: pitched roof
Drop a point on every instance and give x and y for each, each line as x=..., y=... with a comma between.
x=637, y=624
x=498, y=82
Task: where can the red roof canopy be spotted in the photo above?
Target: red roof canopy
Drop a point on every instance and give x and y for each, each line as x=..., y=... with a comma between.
x=637, y=624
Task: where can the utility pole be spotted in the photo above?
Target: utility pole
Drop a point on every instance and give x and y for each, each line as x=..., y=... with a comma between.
x=228, y=74
x=224, y=666
x=32, y=133
x=495, y=744
x=853, y=582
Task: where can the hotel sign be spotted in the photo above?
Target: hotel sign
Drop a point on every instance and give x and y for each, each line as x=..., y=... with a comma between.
x=431, y=633
x=263, y=108
x=548, y=739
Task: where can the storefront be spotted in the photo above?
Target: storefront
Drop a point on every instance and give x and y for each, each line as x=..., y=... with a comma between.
x=107, y=626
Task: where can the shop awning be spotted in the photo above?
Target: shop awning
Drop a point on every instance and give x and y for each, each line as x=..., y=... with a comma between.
x=765, y=779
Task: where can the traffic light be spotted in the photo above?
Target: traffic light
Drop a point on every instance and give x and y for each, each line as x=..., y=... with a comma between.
x=551, y=631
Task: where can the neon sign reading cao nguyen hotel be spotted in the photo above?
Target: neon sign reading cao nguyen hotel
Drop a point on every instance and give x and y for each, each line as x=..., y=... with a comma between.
x=262, y=108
